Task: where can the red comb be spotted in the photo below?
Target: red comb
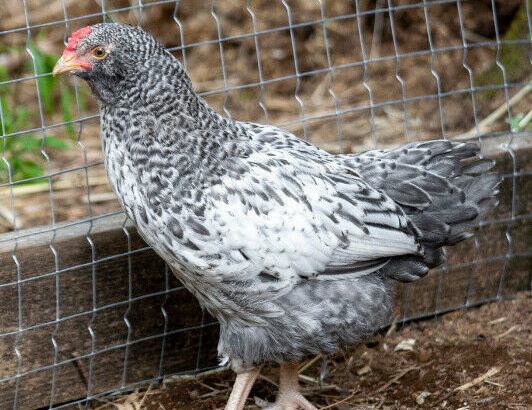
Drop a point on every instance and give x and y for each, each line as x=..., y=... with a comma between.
x=73, y=40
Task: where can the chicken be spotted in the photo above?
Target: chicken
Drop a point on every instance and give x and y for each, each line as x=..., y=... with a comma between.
x=293, y=250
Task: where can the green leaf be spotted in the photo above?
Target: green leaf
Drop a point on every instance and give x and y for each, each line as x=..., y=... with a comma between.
x=29, y=142
x=56, y=143
x=30, y=169
x=46, y=84
x=514, y=123
x=20, y=119
x=4, y=75
x=67, y=113
x=8, y=118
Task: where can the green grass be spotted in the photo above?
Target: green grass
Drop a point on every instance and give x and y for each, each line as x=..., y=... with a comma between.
x=515, y=123
x=24, y=152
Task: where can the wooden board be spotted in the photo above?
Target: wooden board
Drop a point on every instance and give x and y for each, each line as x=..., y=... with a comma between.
x=94, y=255
x=72, y=336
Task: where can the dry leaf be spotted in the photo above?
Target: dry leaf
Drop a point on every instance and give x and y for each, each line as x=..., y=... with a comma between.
x=405, y=345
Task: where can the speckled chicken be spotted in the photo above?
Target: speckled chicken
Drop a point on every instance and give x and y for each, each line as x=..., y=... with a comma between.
x=292, y=249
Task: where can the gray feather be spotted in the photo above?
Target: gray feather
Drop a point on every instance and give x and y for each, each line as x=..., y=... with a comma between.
x=293, y=250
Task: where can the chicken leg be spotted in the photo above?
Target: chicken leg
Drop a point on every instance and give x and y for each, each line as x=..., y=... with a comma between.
x=289, y=397
x=241, y=388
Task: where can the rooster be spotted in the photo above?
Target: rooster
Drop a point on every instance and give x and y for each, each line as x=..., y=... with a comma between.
x=293, y=250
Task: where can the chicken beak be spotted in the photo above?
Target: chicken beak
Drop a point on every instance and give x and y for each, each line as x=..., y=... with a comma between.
x=67, y=63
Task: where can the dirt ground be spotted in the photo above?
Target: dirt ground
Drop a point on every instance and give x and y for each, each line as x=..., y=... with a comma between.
x=478, y=360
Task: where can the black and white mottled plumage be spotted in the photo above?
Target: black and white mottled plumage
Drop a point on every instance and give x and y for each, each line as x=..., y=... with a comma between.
x=292, y=249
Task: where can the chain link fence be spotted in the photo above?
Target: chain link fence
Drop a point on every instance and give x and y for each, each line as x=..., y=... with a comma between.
x=87, y=309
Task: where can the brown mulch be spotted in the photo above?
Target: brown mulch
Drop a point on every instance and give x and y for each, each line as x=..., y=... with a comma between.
x=478, y=360
x=70, y=202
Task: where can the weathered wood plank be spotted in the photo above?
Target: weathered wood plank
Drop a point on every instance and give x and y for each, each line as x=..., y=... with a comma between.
x=76, y=246
x=72, y=336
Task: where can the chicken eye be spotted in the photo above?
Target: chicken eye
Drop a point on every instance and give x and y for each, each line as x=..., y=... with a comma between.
x=99, y=53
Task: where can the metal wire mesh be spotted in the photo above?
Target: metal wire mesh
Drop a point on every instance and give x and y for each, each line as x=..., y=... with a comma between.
x=270, y=66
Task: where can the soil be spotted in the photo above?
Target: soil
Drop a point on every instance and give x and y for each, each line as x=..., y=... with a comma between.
x=479, y=359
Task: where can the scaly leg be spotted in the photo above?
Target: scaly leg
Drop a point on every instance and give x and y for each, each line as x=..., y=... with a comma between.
x=289, y=397
x=241, y=389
